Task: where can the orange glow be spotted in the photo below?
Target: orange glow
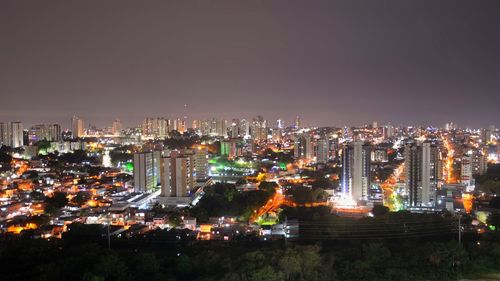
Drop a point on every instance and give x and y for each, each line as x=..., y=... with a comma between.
x=467, y=199
x=25, y=186
x=92, y=203
x=206, y=228
x=389, y=184
x=272, y=205
x=16, y=229
x=448, y=166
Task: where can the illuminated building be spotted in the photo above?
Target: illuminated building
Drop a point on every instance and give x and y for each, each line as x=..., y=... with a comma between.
x=379, y=155
x=146, y=171
x=117, y=127
x=230, y=148
x=297, y=123
x=178, y=124
x=258, y=128
x=48, y=132
x=17, y=138
x=356, y=170
x=235, y=128
x=177, y=174
x=488, y=134
x=54, y=132
x=466, y=171
x=479, y=162
x=155, y=127
x=5, y=134
x=422, y=172
x=388, y=131
x=303, y=147
x=201, y=163
x=323, y=150
x=245, y=128
x=77, y=127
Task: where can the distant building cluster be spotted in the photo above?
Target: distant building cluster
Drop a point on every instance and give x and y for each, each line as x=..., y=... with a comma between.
x=118, y=173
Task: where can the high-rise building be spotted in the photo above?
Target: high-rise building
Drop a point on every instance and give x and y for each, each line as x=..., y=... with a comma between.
x=201, y=163
x=234, y=130
x=117, y=127
x=379, y=155
x=55, y=132
x=466, y=171
x=245, y=128
x=297, y=123
x=48, y=132
x=5, y=133
x=479, y=162
x=388, y=131
x=259, y=128
x=177, y=175
x=231, y=148
x=302, y=148
x=146, y=171
x=488, y=135
x=422, y=173
x=356, y=170
x=77, y=127
x=17, y=131
x=323, y=150
x=155, y=127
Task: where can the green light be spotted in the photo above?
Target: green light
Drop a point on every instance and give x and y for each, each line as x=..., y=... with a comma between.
x=129, y=167
x=282, y=166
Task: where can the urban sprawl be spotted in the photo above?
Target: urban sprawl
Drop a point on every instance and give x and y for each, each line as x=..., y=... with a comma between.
x=244, y=179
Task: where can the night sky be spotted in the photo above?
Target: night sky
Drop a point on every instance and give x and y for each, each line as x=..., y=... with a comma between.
x=330, y=62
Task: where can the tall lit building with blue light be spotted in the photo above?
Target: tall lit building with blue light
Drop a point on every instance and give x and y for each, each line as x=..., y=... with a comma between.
x=356, y=170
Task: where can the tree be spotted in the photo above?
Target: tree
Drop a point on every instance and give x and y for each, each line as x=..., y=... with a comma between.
x=110, y=267
x=5, y=160
x=174, y=219
x=58, y=200
x=380, y=210
x=81, y=198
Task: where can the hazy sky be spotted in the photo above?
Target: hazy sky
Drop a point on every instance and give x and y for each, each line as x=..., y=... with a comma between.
x=331, y=62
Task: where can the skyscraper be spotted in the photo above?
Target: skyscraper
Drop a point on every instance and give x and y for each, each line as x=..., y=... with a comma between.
x=235, y=128
x=356, y=170
x=388, y=131
x=5, y=134
x=297, y=123
x=302, y=147
x=48, y=132
x=155, y=127
x=258, y=128
x=17, y=139
x=322, y=150
x=77, y=127
x=466, y=171
x=117, y=127
x=422, y=173
x=201, y=163
x=146, y=171
x=177, y=175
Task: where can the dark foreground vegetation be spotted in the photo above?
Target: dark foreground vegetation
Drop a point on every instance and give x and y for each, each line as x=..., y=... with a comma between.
x=82, y=254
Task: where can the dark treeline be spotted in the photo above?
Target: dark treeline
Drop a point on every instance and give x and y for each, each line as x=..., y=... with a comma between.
x=82, y=254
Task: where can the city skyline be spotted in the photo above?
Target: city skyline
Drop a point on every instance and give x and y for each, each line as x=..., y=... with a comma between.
x=332, y=63
x=249, y=140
